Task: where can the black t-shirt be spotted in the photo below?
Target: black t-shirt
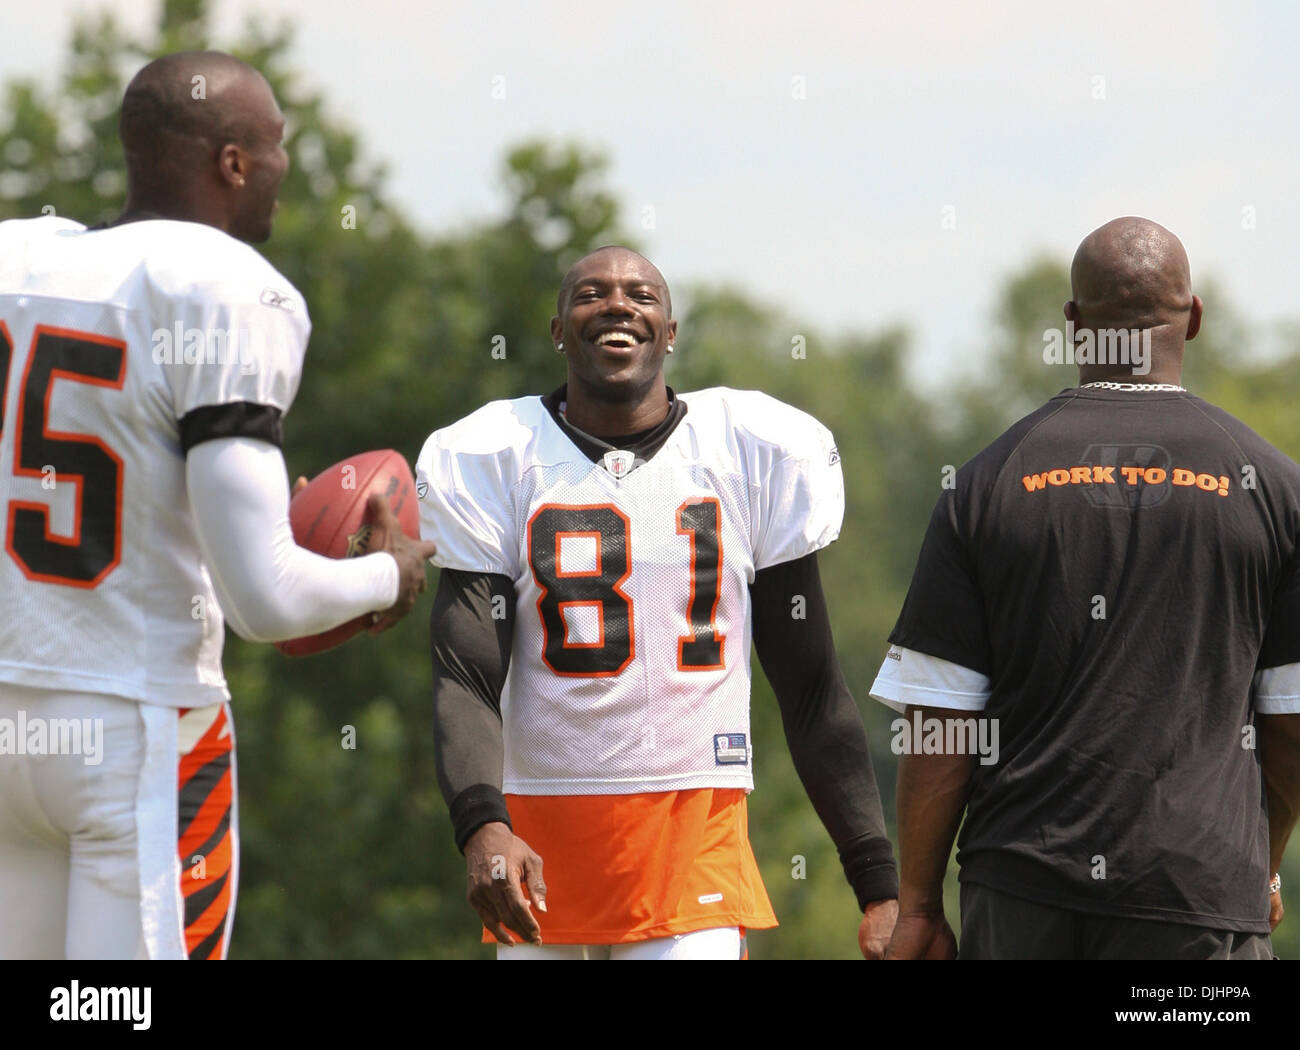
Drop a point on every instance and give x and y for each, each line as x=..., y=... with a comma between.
x=1119, y=564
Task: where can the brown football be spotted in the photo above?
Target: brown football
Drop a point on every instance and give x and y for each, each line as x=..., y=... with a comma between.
x=329, y=517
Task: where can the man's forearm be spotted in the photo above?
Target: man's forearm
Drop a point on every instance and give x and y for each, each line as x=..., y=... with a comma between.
x=835, y=768
x=932, y=793
x=471, y=654
x=1279, y=750
x=270, y=588
x=823, y=728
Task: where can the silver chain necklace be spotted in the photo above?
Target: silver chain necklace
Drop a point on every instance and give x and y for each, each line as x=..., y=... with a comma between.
x=1133, y=386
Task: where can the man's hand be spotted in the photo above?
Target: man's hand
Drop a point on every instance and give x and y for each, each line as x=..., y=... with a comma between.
x=500, y=866
x=386, y=535
x=1274, y=909
x=922, y=935
x=876, y=928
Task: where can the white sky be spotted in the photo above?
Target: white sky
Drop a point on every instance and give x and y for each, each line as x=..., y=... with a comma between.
x=831, y=205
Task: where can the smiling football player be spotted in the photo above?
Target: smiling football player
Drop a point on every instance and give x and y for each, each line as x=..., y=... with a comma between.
x=608, y=552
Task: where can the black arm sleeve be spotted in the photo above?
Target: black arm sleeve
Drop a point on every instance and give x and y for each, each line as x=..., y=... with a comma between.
x=471, y=654
x=822, y=725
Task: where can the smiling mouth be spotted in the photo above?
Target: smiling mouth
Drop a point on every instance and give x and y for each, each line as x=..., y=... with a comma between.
x=618, y=339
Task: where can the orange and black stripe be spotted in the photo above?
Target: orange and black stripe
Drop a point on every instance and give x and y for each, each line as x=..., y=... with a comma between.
x=205, y=838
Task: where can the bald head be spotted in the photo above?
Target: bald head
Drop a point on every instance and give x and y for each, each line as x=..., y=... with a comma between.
x=179, y=109
x=1131, y=273
x=603, y=254
x=1132, y=276
x=201, y=131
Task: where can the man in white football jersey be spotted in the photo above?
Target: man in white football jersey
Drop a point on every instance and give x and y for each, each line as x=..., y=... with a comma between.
x=608, y=552
x=144, y=370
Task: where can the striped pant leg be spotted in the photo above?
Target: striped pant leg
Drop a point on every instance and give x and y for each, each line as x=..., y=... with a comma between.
x=186, y=817
x=208, y=829
x=130, y=851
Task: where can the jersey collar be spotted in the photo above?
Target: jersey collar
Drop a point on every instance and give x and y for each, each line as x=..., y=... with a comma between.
x=611, y=452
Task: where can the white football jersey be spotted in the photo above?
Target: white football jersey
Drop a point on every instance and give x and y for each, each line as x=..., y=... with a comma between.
x=118, y=348
x=630, y=664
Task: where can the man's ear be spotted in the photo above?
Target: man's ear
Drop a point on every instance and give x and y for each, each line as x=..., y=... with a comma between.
x=1194, y=321
x=230, y=162
x=1071, y=311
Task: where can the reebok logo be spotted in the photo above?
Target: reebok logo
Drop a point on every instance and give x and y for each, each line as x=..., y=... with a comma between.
x=270, y=297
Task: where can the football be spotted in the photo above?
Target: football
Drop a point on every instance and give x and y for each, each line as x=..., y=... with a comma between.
x=329, y=517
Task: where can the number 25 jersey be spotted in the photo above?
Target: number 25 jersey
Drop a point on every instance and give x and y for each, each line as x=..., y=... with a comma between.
x=120, y=349
x=630, y=667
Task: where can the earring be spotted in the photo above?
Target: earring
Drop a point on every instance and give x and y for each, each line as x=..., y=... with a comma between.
x=241, y=182
x=670, y=348
x=559, y=348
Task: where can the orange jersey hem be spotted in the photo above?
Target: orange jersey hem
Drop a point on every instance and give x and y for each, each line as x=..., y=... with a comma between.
x=627, y=868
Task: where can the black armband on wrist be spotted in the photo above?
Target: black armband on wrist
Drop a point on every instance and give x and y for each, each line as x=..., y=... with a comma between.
x=869, y=867
x=477, y=805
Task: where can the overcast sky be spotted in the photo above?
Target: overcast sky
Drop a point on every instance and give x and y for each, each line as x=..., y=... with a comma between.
x=937, y=148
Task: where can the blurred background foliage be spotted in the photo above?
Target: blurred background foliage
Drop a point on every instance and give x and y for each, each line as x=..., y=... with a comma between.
x=348, y=853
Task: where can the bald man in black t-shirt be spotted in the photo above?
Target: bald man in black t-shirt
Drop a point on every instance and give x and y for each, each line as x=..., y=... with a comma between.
x=1110, y=595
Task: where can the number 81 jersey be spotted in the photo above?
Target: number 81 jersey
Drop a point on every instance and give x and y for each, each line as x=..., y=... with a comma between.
x=630, y=666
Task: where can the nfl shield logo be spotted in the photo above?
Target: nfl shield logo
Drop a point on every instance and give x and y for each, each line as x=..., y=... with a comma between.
x=358, y=542
x=619, y=462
